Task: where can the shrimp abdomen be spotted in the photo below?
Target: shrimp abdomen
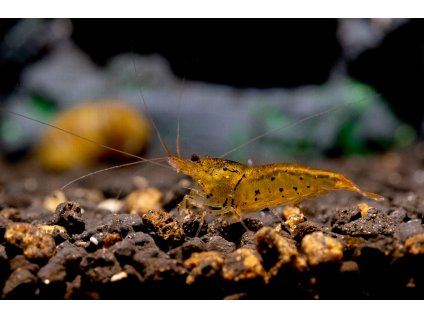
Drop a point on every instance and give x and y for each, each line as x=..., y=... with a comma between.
x=278, y=184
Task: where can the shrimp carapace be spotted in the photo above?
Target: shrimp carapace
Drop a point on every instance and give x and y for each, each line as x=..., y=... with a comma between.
x=239, y=188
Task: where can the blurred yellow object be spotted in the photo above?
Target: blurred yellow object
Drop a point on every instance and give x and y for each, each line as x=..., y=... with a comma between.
x=115, y=124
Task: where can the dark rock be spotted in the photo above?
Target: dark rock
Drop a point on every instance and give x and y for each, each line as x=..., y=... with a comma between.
x=123, y=224
x=4, y=261
x=346, y=216
x=233, y=231
x=374, y=223
x=3, y=225
x=68, y=215
x=22, y=282
x=123, y=250
x=154, y=266
x=189, y=247
x=398, y=215
x=29, y=214
x=219, y=244
x=253, y=224
x=64, y=264
x=374, y=254
x=409, y=229
x=411, y=203
x=73, y=288
x=141, y=239
x=247, y=240
x=304, y=228
x=100, y=266
x=191, y=227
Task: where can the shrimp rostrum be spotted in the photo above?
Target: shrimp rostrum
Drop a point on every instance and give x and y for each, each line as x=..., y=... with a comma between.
x=236, y=188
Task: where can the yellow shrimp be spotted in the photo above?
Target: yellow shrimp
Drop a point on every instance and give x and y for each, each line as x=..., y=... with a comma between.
x=238, y=188
x=235, y=188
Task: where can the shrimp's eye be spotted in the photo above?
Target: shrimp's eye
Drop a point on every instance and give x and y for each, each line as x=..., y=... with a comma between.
x=194, y=158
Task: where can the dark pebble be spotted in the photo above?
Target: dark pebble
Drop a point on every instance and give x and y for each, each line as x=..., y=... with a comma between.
x=123, y=224
x=123, y=250
x=4, y=261
x=409, y=229
x=191, y=227
x=374, y=223
x=155, y=265
x=233, y=231
x=29, y=214
x=141, y=239
x=248, y=240
x=22, y=282
x=100, y=266
x=3, y=225
x=253, y=224
x=68, y=215
x=304, y=228
x=218, y=243
x=398, y=215
x=62, y=265
x=189, y=247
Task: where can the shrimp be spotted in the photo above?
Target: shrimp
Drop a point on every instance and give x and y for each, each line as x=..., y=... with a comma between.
x=236, y=188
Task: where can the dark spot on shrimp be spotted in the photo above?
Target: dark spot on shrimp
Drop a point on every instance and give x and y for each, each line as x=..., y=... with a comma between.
x=224, y=169
x=295, y=188
x=235, y=187
x=308, y=186
x=281, y=189
x=257, y=192
x=323, y=176
x=272, y=178
x=301, y=178
x=232, y=202
x=194, y=158
x=256, y=198
x=225, y=203
x=282, y=196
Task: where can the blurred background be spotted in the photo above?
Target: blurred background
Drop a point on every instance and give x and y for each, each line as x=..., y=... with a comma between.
x=229, y=81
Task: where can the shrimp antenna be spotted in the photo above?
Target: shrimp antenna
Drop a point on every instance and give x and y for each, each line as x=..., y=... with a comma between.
x=112, y=168
x=290, y=125
x=178, y=120
x=161, y=140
